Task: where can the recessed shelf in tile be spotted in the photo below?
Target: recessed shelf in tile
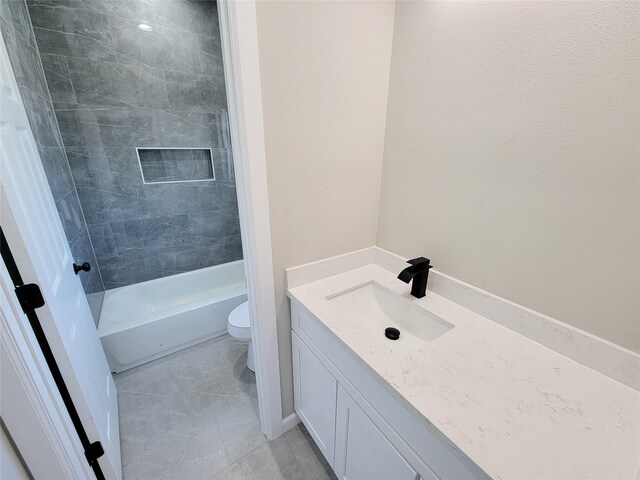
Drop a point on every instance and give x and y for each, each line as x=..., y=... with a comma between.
x=165, y=165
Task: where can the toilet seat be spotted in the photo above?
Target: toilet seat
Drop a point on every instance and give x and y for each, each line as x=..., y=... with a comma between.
x=239, y=325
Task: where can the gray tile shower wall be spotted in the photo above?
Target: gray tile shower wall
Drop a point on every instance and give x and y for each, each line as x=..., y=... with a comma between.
x=116, y=87
x=25, y=61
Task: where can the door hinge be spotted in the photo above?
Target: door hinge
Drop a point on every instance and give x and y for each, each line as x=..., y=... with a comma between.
x=93, y=452
x=30, y=297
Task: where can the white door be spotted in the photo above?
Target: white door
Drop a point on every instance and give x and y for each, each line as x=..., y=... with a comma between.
x=31, y=407
x=363, y=452
x=35, y=235
x=315, y=397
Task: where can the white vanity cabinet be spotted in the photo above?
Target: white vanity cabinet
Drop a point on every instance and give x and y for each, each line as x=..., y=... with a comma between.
x=363, y=431
x=315, y=392
x=350, y=441
x=363, y=452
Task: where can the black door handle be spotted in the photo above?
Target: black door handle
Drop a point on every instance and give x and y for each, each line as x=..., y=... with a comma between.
x=85, y=267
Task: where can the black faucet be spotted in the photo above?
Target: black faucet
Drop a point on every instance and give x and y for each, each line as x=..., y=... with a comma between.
x=418, y=272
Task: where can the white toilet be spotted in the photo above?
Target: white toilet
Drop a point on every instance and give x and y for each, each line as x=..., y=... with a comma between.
x=239, y=328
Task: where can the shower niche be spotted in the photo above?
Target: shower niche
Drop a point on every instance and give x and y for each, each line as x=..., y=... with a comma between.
x=166, y=165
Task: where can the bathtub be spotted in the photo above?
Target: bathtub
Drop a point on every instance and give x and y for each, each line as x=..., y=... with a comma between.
x=145, y=321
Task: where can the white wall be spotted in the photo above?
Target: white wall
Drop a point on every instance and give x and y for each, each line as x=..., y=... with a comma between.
x=512, y=154
x=324, y=73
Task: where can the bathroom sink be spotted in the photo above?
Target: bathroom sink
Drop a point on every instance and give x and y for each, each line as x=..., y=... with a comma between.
x=375, y=308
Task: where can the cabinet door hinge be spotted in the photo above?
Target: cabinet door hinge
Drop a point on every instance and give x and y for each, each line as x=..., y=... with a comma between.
x=30, y=297
x=93, y=452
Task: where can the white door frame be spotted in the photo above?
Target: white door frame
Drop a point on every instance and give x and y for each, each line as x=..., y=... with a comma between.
x=239, y=38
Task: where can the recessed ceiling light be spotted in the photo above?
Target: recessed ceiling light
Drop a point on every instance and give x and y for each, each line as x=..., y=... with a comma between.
x=145, y=27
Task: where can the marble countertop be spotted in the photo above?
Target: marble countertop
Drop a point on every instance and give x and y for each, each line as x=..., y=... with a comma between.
x=516, y=408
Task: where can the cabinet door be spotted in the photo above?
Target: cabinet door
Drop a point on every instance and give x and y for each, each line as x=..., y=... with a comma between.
x=315, y=391
x=363, y=452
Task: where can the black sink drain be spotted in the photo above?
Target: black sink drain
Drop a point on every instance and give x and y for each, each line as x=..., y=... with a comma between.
x=392, y=333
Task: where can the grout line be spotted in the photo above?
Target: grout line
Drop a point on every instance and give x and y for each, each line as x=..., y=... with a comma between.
x=219, y=395
x=246, y=454
x=71, y=33
x=142, y=393
x=224, y=447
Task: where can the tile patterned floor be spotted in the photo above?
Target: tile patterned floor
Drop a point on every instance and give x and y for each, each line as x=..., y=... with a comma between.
x=194, y=416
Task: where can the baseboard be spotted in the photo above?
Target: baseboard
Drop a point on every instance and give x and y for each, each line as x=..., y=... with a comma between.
x=289, y=422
